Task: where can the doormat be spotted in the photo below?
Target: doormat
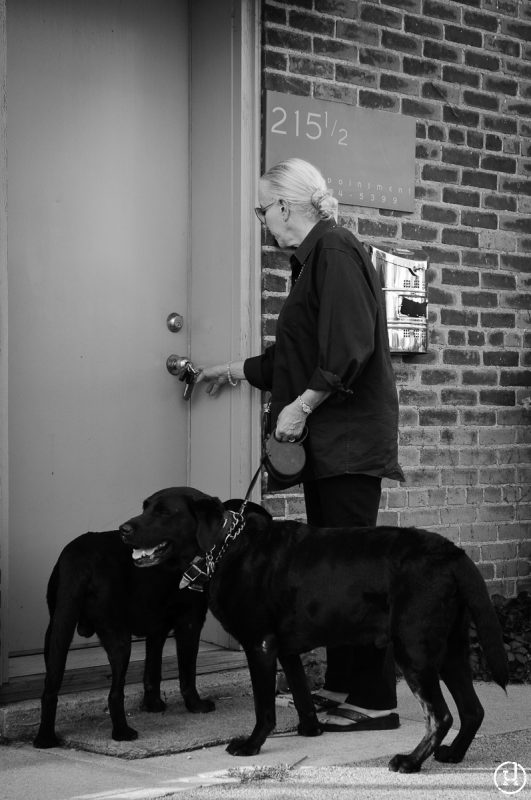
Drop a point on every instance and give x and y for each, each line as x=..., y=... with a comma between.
x=174, y=731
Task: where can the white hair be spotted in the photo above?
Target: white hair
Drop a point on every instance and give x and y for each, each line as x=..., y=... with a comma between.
x=302, y=186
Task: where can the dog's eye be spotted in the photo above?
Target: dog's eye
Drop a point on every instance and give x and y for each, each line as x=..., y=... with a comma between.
x=164, y=511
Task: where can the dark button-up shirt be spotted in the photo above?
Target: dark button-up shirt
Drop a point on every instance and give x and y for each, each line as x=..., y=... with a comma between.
x=331, y=335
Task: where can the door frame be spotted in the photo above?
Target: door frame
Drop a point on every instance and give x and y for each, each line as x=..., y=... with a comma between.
x=245, y=330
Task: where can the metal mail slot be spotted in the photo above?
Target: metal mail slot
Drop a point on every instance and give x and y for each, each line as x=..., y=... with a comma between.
x=402, y=273
x=405, y=338
x=400, y=306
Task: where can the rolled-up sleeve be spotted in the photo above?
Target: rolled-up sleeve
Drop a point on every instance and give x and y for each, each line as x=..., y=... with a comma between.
x=258, y=370
x=346, y=321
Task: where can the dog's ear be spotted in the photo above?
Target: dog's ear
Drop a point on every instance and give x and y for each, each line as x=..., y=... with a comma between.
x=234, y=504
x=258, y=511
x=251, y=509
x=257, y=521
x=209, y=514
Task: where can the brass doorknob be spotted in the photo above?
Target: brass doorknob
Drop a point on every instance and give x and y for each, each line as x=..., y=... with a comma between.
x=177, y=364
x=183, y=369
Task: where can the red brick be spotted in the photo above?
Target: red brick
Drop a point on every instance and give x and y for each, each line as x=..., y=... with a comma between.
x=420, y=517
x=497, y=397
x=469, y=358
x=482, y=61
x=497, y=551
x=418, y=436
x=337, y=8
x=438, y=376
x=496, y=475
x=471, y=217
x=506, y=569
x=478, y=533
x=438, y=457
x=426, y=497
x=479, y=417
x=388, y=518
x=374, y=100
x=458, y=397
x=459, y=477
x=460, y=515
x=422, y=477
x=458, y=436
x=473, y=19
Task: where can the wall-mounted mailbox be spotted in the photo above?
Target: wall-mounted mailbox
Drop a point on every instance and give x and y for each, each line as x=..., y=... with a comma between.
x=402, y=273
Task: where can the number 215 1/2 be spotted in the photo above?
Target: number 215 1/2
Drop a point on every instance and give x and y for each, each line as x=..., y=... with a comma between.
x=315, y=125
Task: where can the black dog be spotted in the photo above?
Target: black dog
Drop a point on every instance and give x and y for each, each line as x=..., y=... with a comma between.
x=96, y=585
x=282, y=588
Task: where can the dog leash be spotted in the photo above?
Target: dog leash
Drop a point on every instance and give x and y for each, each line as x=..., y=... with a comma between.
x=198, y=574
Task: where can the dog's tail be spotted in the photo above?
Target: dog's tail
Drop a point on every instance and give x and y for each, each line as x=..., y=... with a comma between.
x=474, y=592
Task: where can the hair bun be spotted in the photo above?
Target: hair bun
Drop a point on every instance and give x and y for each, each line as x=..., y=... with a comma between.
x=325, y=203
x=318, y=196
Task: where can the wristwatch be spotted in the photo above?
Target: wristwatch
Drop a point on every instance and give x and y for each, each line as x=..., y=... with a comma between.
x=305, y=407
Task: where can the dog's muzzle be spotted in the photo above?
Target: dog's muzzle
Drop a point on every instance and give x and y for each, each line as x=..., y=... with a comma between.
x=143, y=556
x=126, y=531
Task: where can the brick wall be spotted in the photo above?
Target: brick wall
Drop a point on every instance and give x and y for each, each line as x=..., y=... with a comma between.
x=463, y=71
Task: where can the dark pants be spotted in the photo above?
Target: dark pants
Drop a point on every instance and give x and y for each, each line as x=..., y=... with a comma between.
x=367, y=673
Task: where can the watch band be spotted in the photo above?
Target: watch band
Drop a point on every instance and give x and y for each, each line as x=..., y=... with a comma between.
x=305, y=407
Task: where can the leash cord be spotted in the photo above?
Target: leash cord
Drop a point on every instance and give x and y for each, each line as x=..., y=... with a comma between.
x=252, y=485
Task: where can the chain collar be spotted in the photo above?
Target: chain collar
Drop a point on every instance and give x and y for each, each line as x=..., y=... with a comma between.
x=202, y=568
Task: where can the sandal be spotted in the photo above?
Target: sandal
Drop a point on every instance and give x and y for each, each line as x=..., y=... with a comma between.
x=320, y=701
x=359, y=721
x=323, y=703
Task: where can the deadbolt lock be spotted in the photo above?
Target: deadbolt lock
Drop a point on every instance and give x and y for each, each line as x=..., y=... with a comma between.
x=175, y=322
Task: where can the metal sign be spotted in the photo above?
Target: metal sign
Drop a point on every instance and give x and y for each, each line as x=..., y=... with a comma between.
x=367, y=157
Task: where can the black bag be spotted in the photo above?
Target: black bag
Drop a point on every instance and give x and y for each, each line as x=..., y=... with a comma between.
x=284, y=462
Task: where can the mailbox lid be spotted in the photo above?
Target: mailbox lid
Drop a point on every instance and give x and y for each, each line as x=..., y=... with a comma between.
x=400, y=267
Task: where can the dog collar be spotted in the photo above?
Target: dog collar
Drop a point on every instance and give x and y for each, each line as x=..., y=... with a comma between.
x=200, y=571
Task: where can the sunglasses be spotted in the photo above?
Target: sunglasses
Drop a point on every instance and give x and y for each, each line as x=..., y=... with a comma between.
x=260, y=211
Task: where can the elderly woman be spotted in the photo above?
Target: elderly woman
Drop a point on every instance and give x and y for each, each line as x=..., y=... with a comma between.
x=330, y=371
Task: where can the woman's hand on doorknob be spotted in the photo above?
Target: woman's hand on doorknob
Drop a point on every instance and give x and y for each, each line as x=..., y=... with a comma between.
x=219, y=375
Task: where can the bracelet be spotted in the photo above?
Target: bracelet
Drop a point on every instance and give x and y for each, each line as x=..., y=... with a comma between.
x=305, y=407
x=229, y=376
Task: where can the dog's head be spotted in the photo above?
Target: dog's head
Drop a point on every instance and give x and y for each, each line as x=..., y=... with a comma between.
x=166, y=529
x=179, y=523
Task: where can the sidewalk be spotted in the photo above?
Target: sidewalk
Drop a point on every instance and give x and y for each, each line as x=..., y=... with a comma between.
x=345, y=764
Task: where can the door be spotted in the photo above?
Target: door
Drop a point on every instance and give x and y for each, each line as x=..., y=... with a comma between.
x=127, y=201
x=99, y=255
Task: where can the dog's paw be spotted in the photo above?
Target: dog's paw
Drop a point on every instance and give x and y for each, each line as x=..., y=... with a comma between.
x=45, y=742
x=199, y=706
x=242, y=747
x=309, y=728
x=126, y=734
x=154, y=705
x=403, y=763
x=447, y=755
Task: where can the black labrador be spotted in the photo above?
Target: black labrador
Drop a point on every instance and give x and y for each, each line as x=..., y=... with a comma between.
x=282, y=588
x=97, y=586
